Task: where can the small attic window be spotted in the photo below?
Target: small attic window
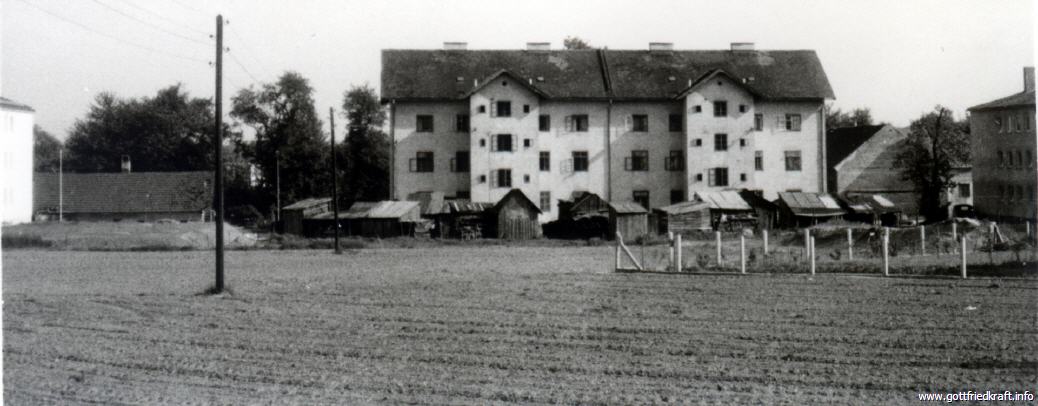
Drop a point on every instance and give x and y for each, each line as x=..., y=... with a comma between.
x=720, y=83
x=504, y=83
x=742, y=108
x=699, y=109
x=482, y=108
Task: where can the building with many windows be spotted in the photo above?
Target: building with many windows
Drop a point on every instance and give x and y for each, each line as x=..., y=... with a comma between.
x=1004, y=152
x=650, y=126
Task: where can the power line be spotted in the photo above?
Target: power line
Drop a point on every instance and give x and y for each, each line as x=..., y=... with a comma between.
x=186, y=7
x=160, y=16
x=236, y=61
x=109, y=36
x=149, y=24
x=249, y=48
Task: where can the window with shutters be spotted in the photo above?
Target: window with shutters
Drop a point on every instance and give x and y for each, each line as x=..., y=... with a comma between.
x=677, y=196
x=422, y=162
x=545, y=201
x=460, y=162
x=793, y=161
x=720, y=108
x=758, y=122
x=676, y=123
x=790, y=122
x=577, y=123
x=544, y=123
x=501, y=108
x=462, y=123
x=424, y=123
x=501, y=178
x=501, y=143
x=675, y=161
x=641, y=197
x=720, y=142
x=640, y=123
x=718, y=176
x=758, y=160
x=545, y=161
x=638, y=161
x=580, y=162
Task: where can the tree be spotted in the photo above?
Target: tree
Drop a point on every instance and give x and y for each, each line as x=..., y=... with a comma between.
x=834, y=118
x=936, y=145
x=46, y=150
x=288, y=136
x=364, y=155
x=168, y=132
x=575, y=43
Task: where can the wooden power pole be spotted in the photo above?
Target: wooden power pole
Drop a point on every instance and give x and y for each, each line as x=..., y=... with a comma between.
x=335, y=182
x=218, y=183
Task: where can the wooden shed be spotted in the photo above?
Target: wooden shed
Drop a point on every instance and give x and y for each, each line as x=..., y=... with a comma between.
x=629, y=218
x=804, y=209
x=461, y=219
x=873, y=209
x=766, y=211
x=514, y=217
x=583, y=204
x=391, y=218
x=728, y=211
x=683, y=218
x=294, y=216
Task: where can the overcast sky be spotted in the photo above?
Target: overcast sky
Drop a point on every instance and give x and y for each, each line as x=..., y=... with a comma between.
x=899, y=58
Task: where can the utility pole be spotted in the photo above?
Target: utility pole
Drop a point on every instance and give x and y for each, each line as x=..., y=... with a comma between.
x=277, y=180
x=218, y=183
x=335, y=182
x=61, y=184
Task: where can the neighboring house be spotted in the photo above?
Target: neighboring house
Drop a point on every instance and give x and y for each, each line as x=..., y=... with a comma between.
x=16, y=161
x=1004, y=151
x=141, y=196
x=651, y=126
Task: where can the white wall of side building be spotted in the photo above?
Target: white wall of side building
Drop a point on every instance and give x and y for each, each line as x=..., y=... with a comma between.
x=658, y=141
x=16, y=159
x=444, y=142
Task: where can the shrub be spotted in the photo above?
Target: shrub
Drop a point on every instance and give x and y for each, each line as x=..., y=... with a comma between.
x=9, y=241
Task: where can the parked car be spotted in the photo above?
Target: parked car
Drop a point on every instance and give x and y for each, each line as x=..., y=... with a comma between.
x=964, y=211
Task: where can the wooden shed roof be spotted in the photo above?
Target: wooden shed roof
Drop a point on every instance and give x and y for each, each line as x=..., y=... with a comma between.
x=627, y=207
x=723, y=200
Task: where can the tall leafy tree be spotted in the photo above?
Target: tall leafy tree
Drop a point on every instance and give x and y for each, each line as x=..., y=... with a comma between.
x=46, y=150
x=936, y=145
x=364, y=154
x=168, y=132
x=835, y=118
x=288, y=137
x=575, y=43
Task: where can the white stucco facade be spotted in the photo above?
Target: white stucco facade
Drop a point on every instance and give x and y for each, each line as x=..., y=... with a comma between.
x=16, y=159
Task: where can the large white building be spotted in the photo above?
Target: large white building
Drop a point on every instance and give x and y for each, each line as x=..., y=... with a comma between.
x=16, y=159
x=652, y=126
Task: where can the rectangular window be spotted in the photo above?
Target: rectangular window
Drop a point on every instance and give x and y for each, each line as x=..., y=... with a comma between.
x=544, y=123
x=422, y=162
x=526, y=143
x=1019, y=125
x=698, y=142
x=675, y=161
x=792, y=122
x=1001, y=160
x=698, y=109
x=793, y=160
x=758, y=160
x=545, y=161
x=501, y=143
x=677, y=196
x=675, y=123
x=638, y=161
x=718, y=176
x=758, y=122
x=742, y=108
x=699, y=177
x=460, y=163
x=501, y=178
x=462, y=123
x=641, y=197
x=526, y=108
x=545, y=201
x=640, y=123
x=998, y=123
x=577, y=123
x=1030, y=159
x=580, y=161
x=526, y=178
x=964, y=189
x=482, y=108
x=424, y=123
x=502, y=108
x=720, y=108
x=720, y=142
x=742, y=177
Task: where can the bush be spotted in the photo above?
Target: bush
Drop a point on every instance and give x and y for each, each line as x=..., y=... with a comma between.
x=9, y=241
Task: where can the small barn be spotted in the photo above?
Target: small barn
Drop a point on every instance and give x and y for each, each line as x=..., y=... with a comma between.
x=460, y=219
x=765, y=210
x=514, y=217
x=683, y=218
x=583, y=204
x=728, y=211
x=873, y=209
x=294, y=216
x=629, y=218
x=584, y=216
x=804, y=209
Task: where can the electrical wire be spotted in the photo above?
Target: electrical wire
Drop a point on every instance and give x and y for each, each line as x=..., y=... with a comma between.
x=162, y=17
x=149, y=24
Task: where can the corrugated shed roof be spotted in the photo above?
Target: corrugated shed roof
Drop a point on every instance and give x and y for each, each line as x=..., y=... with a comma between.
x=1016, y=100
x=357, y=210
x=684, y=207
x=869, y=204
x=627, y=207
x=811, y=204
x=723, y=200
x=391, y=209
x=582, y=74
x=8, y=104
x=135, y=192
x=431, y=202
x=465, y=207
x=307, y=203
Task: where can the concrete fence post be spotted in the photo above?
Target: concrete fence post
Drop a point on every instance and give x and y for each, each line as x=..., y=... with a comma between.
x=807, y=242
x=618, y=242
x=765, y=242
x=811, y=252
x=886, y=251
x=677, y=254
x=718, y=237
x=922, y=240
x=962, y=255
x=742, y=253
x=850, y=244
x=670, y=238
x=955, y=231
x=991, y=242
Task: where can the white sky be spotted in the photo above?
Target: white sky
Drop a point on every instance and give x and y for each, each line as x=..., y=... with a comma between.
x=899, y=58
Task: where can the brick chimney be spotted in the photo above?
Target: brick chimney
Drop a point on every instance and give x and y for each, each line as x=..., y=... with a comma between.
x=126, y=163
x=1028, y=78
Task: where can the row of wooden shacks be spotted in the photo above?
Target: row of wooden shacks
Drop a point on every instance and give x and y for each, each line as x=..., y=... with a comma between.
x=584, y=215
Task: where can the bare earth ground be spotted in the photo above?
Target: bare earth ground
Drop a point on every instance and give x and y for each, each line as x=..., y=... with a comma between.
x=478, y=325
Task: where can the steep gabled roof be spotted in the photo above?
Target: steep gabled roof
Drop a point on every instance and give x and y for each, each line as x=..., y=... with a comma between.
x=8, y=104
x=601, y=74
x=527, y=83
x=710, y=75
x=1017, y=100
x=841, y=142
x=519, y=196
x=136, y=192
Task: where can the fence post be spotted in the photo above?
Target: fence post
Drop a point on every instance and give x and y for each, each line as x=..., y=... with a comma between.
x=807, y=242
x=991, y=242
x=850, y=245
x=811, y=252
x=963, y=256
x=742, y=253
x=670, y=238
x=618, y=242
x=677, y=257
x=886, y=251
x=765, y=242
x=955, y=231
x=718, y=238
x=922, y=240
